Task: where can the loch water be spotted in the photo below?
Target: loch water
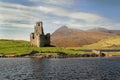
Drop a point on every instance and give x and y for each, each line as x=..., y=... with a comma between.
x=107, y=68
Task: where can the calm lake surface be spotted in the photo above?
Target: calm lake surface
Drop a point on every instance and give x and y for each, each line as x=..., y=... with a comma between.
x=60, y=69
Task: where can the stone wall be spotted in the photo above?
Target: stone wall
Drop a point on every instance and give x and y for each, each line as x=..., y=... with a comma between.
x=38, y=38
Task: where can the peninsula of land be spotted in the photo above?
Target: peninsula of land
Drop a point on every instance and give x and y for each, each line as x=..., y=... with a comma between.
x=67, y=43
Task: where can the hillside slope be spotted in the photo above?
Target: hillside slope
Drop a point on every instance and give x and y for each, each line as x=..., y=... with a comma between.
x=99, y=29
x=108, y=43
x=66, y=37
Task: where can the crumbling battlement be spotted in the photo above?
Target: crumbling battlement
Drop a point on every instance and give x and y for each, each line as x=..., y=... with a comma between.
x=38, y=38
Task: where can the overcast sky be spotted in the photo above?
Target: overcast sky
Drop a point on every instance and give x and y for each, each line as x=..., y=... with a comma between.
x=18, y=17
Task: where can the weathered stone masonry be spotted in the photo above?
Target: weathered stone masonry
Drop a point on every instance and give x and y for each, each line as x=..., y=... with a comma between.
x=38, y=38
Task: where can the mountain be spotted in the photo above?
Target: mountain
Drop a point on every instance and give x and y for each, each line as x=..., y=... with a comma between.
x=108, y=43
x=67, y=37
x=115, y=31
x=100, y=29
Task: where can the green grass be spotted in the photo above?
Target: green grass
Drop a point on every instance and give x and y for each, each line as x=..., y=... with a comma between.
x=19, y=47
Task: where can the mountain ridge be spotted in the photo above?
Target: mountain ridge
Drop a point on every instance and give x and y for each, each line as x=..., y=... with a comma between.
x=68, y=37
x=100, y=29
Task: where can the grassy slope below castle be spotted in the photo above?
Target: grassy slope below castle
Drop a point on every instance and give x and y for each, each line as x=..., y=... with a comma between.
x=19, y=47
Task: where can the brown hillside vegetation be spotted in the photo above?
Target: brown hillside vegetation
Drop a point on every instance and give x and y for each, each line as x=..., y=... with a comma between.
x=66, y=37
x=99, y=29
x=108, y=43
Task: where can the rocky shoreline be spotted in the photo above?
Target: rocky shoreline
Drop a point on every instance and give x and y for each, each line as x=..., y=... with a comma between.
x=34, y=54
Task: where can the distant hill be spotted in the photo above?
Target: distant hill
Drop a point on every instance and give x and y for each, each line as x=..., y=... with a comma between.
x=67, y=37
x=115, y=32
x=99, y=29
x=108, y=43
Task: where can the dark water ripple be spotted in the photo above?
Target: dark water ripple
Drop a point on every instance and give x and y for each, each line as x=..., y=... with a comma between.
x=60, y=69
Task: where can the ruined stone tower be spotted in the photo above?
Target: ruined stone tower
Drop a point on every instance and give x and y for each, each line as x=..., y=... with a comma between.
x=38, y=38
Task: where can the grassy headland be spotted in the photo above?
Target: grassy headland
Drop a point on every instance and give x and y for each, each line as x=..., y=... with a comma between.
x=19, y=47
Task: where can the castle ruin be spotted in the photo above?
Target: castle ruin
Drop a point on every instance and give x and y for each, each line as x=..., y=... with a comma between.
x=38, y=38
